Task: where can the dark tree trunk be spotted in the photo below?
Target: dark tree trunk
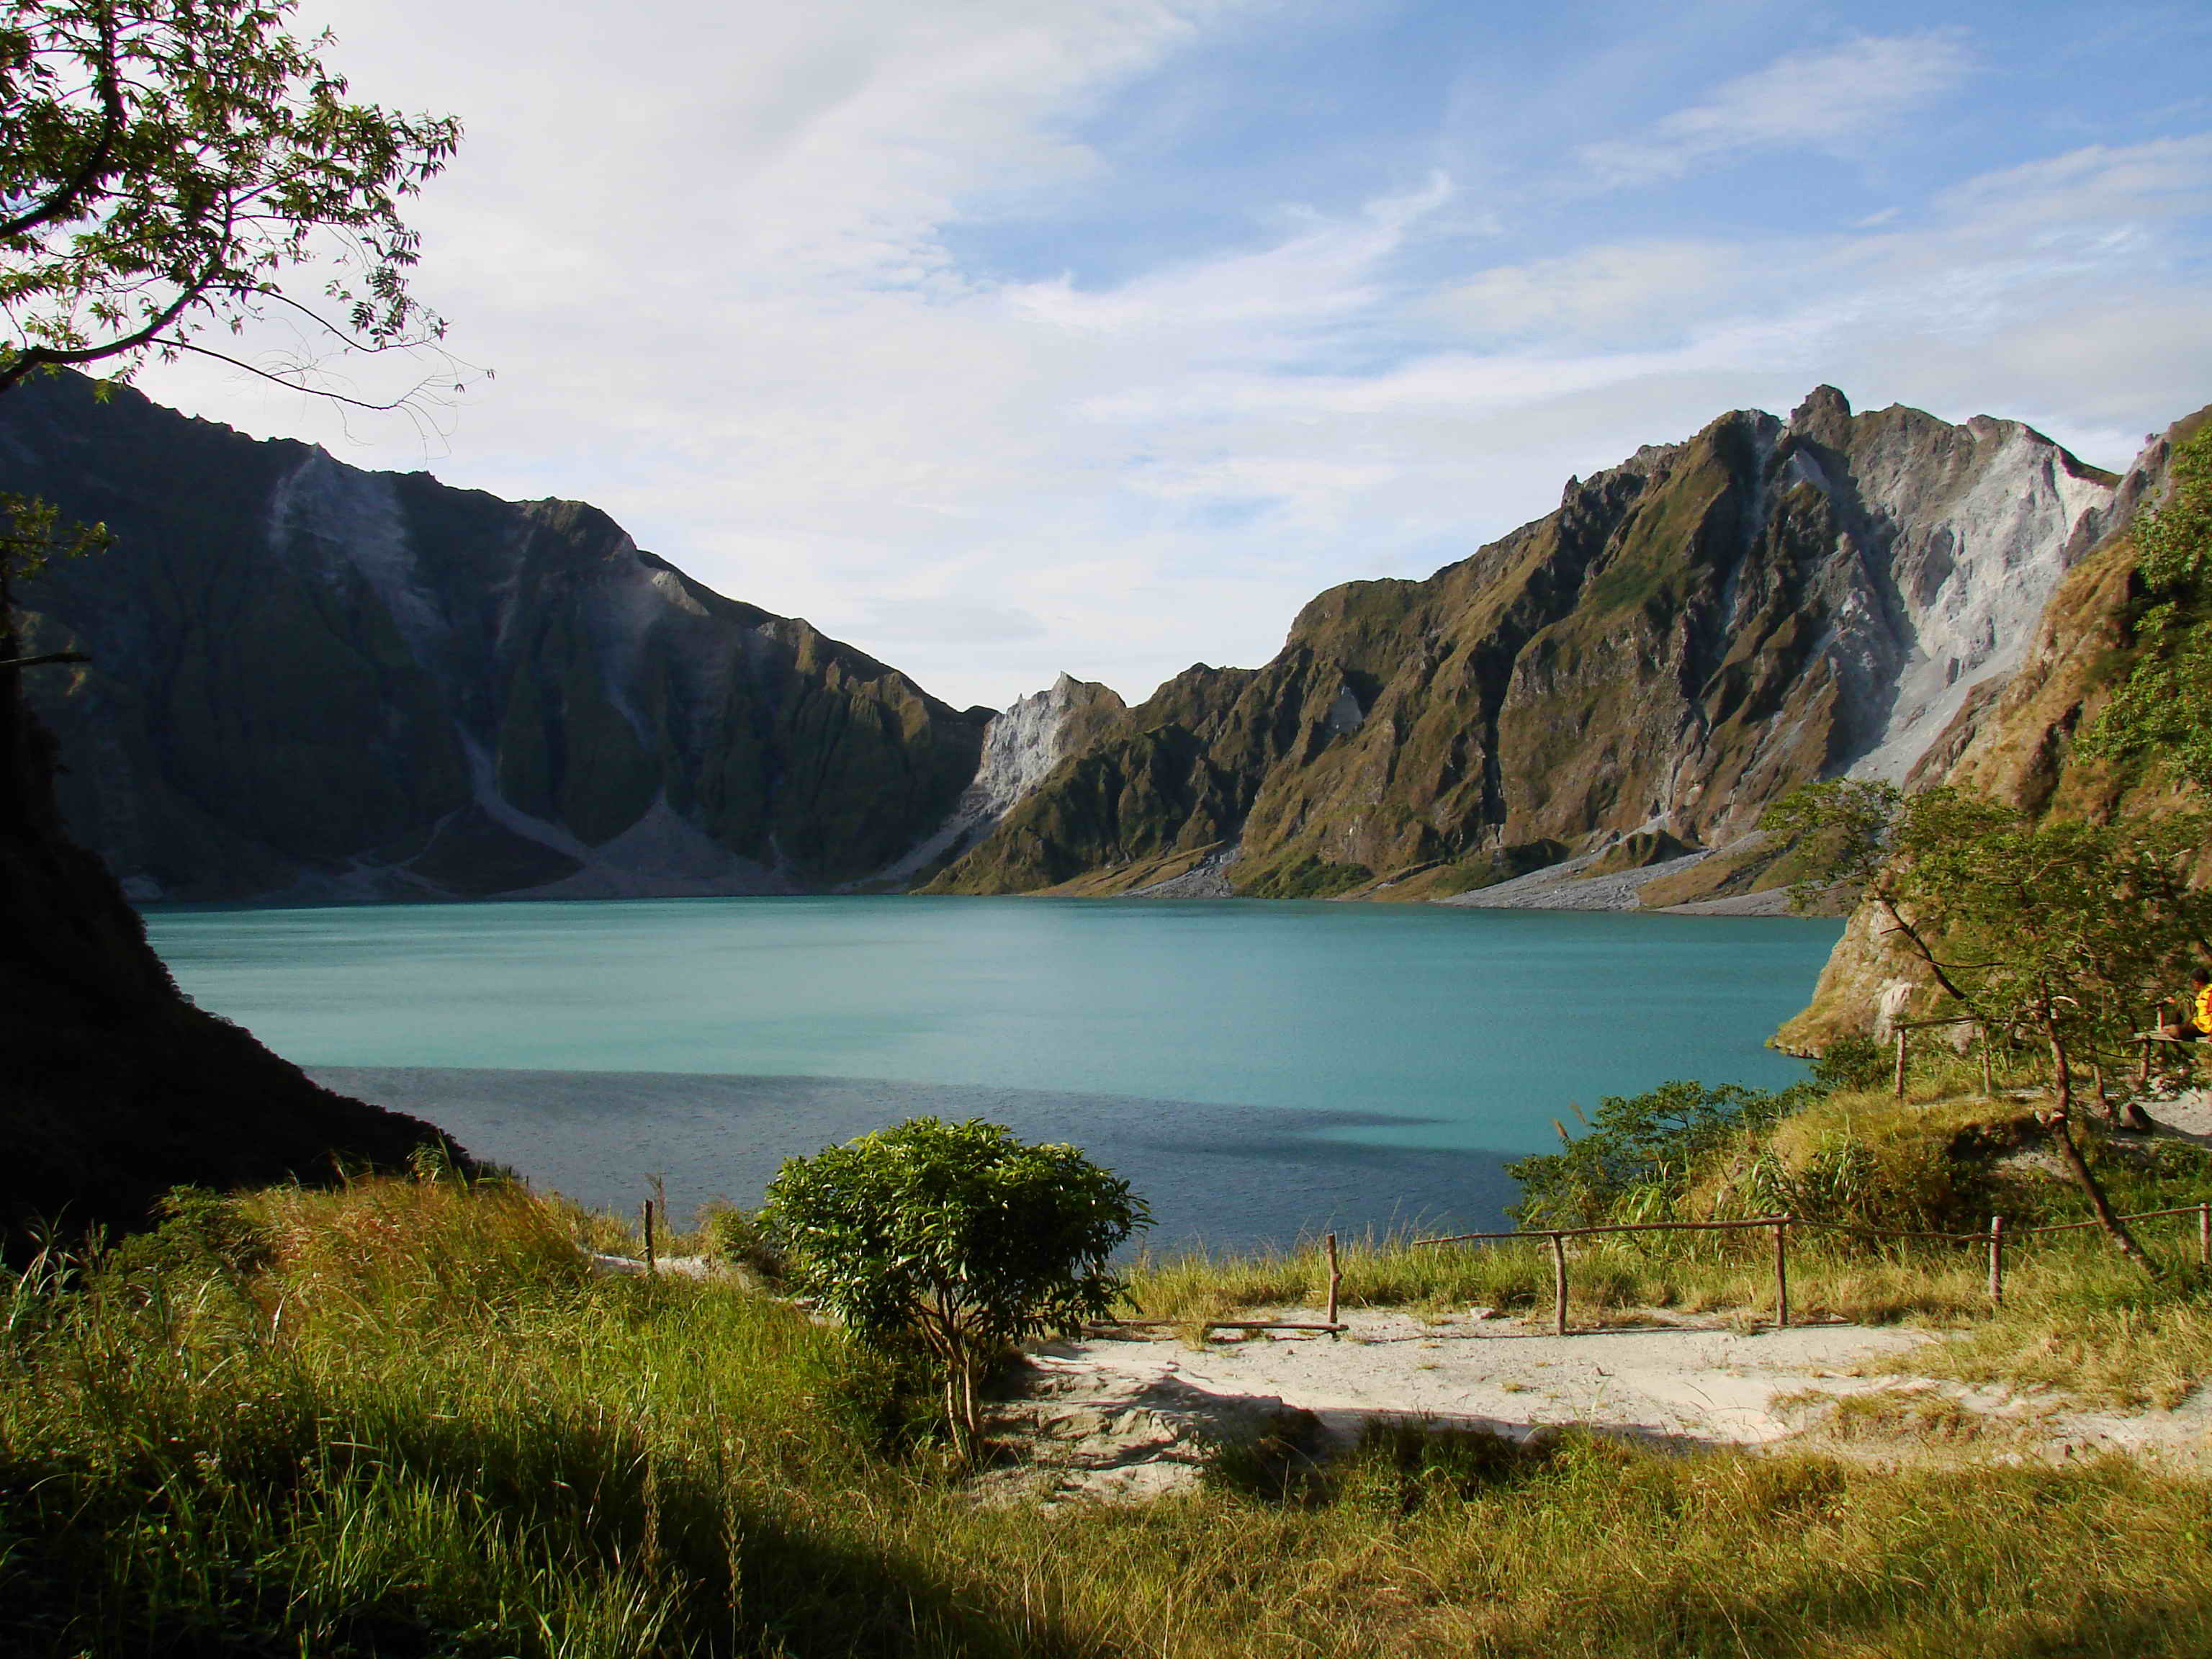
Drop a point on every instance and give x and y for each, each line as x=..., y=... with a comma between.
x=2069, y=1152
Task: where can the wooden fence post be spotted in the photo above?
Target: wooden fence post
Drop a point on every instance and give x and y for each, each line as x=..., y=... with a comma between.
x=1558, y=1285
x=1781, y=1272
x=1997, y=1259
x=651, y=1265
x=1335, y=1278
x=2204, y=1234
x=1900, y=1062
x=1989, y=1084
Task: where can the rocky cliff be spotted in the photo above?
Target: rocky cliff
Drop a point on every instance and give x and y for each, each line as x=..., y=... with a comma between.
x=1022, y=747
x=2016, y=741
x=1688, y=635
x=314, y=682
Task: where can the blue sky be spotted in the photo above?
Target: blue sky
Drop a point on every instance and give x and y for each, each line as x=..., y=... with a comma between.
x=1001, y=338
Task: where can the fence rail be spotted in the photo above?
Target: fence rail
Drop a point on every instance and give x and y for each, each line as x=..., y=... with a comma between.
x=1993, y=1239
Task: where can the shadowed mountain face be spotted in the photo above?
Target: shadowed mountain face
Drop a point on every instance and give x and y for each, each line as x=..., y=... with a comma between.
x=1690, y=634
x=318, y=682
x=113, y=1088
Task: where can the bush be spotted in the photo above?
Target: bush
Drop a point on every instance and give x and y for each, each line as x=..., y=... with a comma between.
x=1642, y=1152
x=1852, y=1062
x=201, y=1232
x=955, y=1239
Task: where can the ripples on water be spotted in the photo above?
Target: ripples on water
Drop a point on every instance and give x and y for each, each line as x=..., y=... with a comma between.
x=1256, y=1069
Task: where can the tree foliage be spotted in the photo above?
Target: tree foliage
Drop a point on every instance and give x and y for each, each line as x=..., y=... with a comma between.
x=2163, y=709
x=33, y=535
x=2067, y=934
x=954, y=1238
x=165, y=164
x=1837, y=832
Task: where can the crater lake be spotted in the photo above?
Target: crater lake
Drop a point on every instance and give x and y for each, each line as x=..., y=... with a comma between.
x=1257, y=1069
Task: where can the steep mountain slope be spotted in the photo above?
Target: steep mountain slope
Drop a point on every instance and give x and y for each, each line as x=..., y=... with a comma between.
x=1021, y=748
x=2015, y=743
x=320, y=681
x=113, y=1088
x=1691, y=634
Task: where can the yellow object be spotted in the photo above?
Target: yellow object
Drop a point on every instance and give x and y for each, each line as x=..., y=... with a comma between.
x=2204, y=1015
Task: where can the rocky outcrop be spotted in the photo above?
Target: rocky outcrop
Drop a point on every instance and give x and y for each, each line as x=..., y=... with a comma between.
x=1021, y=748
x=2015, y=742
x=314, y=682
x=1689, y=636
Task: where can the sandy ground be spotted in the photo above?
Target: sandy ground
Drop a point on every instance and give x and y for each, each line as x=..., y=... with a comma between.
x=1118, y=1418
x=1124, y=1416
x=1563, y=887
x=2188, y=1114
x=676, y=1266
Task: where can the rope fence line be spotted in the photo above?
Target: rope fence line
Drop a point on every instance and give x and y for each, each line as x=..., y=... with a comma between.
x=1993, y=1239
x=1900, y=1030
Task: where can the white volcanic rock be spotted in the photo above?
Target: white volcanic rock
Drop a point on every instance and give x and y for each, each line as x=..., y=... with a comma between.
x=1020, y=749
x=1972, y=546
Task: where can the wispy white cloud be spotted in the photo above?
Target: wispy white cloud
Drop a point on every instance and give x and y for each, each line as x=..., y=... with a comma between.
x=1610, y=290
x=1831, y=100
x=1323, y=268
x=712, y=253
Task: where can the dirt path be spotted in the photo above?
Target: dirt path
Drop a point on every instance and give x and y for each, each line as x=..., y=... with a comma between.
x=1130, y=1419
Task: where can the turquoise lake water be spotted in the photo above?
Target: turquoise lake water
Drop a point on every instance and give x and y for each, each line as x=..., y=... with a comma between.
x=1257, y=1069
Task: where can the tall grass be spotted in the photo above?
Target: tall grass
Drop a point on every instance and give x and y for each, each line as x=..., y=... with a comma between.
x=400, y=1419
x=1615, y=1277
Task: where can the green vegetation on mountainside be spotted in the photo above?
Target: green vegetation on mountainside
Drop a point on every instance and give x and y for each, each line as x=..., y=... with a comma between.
x=2161, y=711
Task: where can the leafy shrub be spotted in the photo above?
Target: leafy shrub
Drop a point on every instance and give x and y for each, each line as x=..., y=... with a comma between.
x=201, y=1233
x=1642, y=1151
x=1866, y=1161
x=738, y=1240
x=1852, y=1062
x=955, y=1239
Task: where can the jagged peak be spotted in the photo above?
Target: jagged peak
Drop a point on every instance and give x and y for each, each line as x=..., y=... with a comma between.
x=1825, y=410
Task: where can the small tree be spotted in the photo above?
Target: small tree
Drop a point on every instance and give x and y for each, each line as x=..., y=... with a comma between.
x=955, y=1238
x=2064, y=932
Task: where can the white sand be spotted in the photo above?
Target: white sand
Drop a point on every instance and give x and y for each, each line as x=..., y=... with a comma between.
x=1130, y=1419
x=1693, y=1382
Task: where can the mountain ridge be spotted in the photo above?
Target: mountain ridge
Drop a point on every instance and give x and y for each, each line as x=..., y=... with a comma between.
x=317, y=682
x=1688, y=635
x=311, y=682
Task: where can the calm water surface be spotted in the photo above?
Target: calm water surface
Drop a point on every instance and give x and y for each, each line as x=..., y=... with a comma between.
x=1258, y=1069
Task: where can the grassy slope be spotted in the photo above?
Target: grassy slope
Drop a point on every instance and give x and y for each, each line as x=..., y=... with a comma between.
x=400, y=1419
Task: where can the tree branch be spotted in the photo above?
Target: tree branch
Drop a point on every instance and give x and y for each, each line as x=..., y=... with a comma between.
x=1920, y=947
x=66, y=196
x=293, y=386
x=37, y=358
